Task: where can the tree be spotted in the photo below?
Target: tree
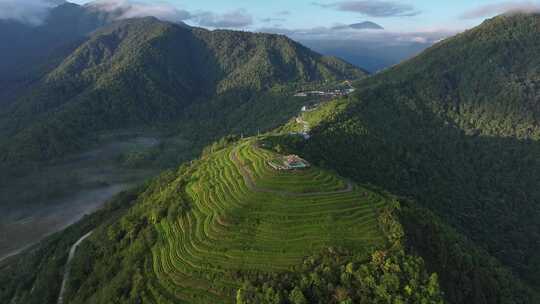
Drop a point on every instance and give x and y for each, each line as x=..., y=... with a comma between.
x=297, y=296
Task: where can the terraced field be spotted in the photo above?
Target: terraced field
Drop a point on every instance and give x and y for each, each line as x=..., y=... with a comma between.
x=247, y=217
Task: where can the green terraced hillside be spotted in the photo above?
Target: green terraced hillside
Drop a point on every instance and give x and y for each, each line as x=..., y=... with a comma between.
x=244, y=216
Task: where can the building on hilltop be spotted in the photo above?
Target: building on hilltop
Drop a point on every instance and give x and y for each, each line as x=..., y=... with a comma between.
x=289, y=162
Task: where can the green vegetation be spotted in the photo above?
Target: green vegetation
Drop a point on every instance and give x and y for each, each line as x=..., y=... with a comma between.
x=210, y=233
x=35, y=276
x=455, y=130
x=299, y=181
x=31, y=51
x=231, y=227
x=184, y=86
x=340, y=276
x=467, y=274
x=325, y=110
x=144, y=72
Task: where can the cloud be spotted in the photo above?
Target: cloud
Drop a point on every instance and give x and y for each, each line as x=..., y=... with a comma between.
x=370, y=37
x=130, y=9
x=268, y=20
x=502, y=7
x=235, y=19
x=283, y=13
x=374, y=8
x=31, y=12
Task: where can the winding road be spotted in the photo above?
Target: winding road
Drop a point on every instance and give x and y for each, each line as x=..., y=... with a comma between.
x=68, y=266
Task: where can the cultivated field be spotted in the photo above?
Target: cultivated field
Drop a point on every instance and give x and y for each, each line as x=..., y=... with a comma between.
x=246, y=217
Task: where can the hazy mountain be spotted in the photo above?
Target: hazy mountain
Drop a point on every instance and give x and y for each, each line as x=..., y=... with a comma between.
x=34, y=49
x=367, y=25
x=372, y=56
x=64, y=24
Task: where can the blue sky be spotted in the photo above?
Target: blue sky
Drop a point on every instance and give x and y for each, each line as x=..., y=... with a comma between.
x=423, y=15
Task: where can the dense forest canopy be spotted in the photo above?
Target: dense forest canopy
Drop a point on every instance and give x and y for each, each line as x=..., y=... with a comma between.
x=455, y=128
x=146, y=72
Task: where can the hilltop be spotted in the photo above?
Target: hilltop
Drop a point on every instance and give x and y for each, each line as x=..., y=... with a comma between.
x=215, y=230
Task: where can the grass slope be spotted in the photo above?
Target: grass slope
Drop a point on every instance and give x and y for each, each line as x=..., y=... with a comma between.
x=233, y=227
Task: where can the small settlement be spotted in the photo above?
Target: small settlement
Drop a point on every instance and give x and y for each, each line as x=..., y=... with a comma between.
x=328, y=94
x=345, y=89
x=289, y=162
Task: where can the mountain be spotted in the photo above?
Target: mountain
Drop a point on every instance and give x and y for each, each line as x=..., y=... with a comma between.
x=147, y=72
x=32, y=49
x=373, y=56
x=455, y=129
x=228, y=228
x=65, y=24
x=366, y=25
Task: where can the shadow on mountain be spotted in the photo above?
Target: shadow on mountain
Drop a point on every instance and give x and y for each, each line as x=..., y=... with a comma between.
x=485, y=187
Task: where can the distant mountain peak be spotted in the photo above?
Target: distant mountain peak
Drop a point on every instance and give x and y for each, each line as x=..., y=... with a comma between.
x=366, y=25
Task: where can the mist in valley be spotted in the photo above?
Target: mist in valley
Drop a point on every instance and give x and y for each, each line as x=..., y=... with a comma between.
x=47, y=199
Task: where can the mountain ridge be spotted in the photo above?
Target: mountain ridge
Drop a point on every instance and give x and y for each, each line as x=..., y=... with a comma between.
x=152, y=70
x=455, y=129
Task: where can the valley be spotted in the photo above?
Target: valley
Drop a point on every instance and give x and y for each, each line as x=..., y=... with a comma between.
x=63, y=192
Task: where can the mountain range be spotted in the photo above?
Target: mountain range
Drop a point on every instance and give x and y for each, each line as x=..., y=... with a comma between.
x=420, y=187
x=139, y=71
x=456, y=129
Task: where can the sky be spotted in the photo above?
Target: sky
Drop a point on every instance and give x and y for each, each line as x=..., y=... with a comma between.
x=403, y=20
x=393, y=15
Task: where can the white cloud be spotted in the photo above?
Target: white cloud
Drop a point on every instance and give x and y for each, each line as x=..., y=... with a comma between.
x=234, y=19
x=379, y=37
x=502, y=7
x=27, y=11
x=374, y=8
x=130, y=9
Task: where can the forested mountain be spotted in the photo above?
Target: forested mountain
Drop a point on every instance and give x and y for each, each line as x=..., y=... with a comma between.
x=31, y=46
x=145, y=72
x=228, y=228
x=456, y=129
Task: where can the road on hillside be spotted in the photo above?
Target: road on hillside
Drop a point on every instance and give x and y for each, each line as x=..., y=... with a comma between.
x=68, y=266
